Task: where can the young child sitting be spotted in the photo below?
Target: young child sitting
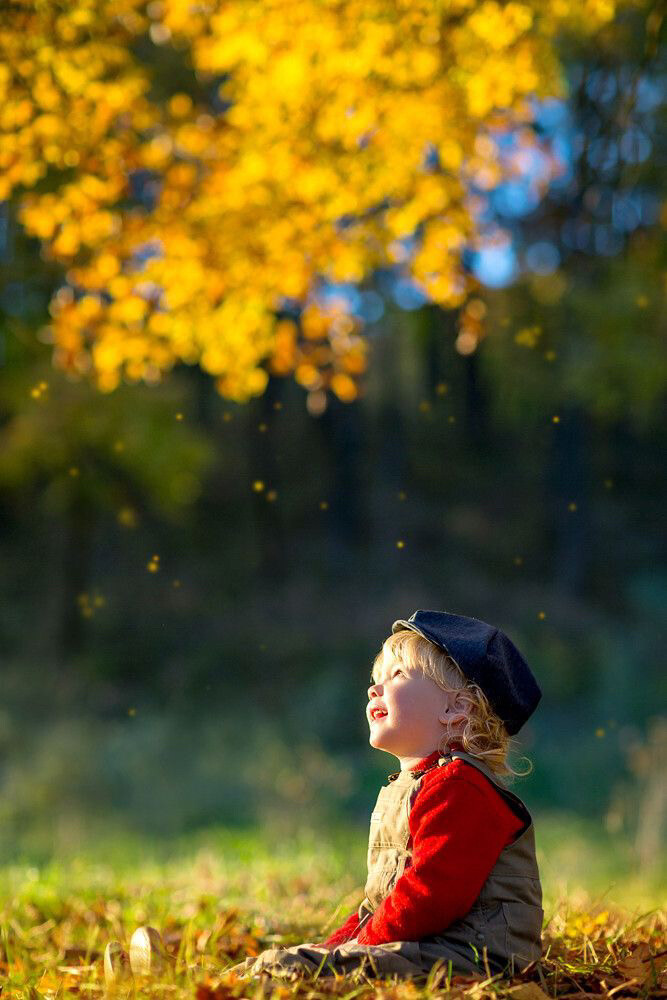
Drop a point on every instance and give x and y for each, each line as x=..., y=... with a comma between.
x=452, y=875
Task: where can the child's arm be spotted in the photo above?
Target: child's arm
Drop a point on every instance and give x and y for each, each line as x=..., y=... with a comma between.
x=458, y=829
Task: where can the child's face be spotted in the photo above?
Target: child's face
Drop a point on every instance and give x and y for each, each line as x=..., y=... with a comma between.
x=407, y=711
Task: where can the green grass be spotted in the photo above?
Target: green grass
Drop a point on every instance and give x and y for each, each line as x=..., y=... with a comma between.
x=221, y=894
x=581, y=862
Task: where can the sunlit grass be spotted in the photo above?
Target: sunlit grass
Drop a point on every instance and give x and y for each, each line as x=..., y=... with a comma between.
x=221, y=895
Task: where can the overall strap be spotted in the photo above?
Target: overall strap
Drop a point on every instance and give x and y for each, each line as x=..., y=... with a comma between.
x=513, y=800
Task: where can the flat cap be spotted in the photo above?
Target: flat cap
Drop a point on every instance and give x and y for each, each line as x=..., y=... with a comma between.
x=487, y=657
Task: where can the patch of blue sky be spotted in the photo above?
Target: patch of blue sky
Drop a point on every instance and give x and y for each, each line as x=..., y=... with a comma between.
x=146, y=251
x=536, y=165
x=505, y=139
x=561, y=145
x=344, y=291
x=289, y=305
x=431, y=160
x=634, y=145
x=603, y=154
x=650, y=94
x=626, y=210
x=367, y=304
x=601, y=85
x=408, y=244
x=407, y=295
x=551, y=114
x=515, y=198
x=149, y=290
x=371, y=308
x=495, y=266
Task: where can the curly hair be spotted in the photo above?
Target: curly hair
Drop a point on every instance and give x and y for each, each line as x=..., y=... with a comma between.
x=484, y=734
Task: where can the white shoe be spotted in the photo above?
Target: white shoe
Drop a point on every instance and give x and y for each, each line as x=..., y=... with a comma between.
x=148, y=955
x=116, y=964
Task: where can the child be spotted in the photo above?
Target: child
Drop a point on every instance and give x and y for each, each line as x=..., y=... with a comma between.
x=452, y=875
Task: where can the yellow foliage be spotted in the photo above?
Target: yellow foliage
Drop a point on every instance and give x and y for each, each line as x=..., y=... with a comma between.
x=586, y=924
x=331, y=109
x=344, y=387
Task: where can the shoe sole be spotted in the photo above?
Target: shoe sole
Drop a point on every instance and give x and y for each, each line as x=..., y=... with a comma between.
x=148, y=956
x=116, y=964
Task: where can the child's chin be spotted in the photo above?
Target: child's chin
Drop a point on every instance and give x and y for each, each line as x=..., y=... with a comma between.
x=376, y=741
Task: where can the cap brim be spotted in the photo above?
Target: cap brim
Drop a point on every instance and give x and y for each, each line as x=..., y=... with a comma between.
x=401, y=624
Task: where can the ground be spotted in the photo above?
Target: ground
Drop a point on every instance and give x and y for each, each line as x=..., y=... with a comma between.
x=219, y=896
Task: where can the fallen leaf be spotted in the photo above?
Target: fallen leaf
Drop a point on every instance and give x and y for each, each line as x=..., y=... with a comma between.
x=202, y=940
x=640, y=964
x=528, y=991
x=213, y=991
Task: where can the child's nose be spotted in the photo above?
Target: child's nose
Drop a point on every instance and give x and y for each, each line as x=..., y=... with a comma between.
x=373, y=691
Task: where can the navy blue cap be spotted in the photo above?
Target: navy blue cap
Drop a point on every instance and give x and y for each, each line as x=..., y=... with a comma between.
x=487, y=657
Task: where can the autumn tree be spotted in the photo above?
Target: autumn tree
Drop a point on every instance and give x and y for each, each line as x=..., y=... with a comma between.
x=310, y=143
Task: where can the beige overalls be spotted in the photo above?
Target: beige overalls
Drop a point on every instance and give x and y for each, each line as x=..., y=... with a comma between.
x=502, y=930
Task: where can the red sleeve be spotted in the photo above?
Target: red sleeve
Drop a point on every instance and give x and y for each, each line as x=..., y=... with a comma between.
x=344, y=933
x=458, y=829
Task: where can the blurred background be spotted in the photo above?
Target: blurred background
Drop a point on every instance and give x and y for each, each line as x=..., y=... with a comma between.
x=193, y=586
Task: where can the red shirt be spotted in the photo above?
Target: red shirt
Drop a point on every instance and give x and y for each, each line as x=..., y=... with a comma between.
x=459, y=824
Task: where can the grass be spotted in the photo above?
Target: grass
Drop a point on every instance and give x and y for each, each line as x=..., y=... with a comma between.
x=221, y=895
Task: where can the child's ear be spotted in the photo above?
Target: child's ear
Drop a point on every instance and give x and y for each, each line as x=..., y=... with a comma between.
x=452, y=715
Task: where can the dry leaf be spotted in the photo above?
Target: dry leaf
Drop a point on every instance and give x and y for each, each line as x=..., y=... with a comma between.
x=641, y=963
x=528, y=991
x=202, y=940
x=211, y=990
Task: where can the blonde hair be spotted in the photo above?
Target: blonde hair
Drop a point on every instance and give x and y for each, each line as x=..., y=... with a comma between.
x=484, y=734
